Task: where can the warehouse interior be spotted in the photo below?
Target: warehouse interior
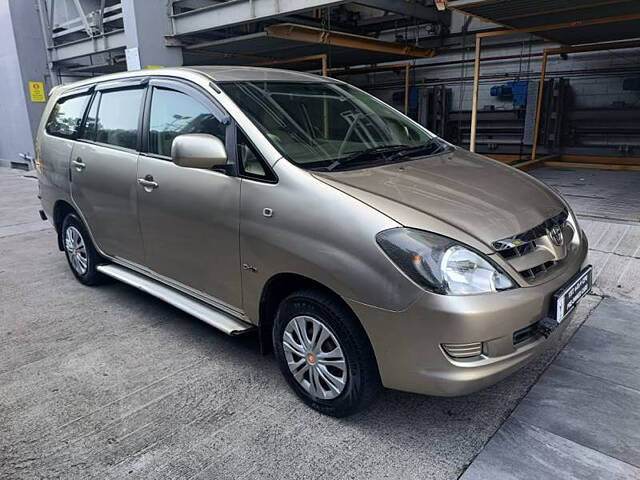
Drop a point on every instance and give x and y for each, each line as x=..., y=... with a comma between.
x=531, y=84
x=419, y=56
x=551, y=87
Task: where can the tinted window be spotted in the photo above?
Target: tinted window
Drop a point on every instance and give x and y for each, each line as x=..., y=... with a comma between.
x=118, y=114
x=174, y=113
x=252, y=164
x=66, y=116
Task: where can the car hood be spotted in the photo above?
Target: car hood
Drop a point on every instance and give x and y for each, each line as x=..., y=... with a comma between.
x=484, y=198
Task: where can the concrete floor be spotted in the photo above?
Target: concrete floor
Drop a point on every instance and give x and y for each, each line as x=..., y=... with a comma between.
x=601, y=194
x=108, y=382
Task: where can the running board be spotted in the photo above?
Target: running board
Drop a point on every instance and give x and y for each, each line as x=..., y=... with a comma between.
x=208, y=314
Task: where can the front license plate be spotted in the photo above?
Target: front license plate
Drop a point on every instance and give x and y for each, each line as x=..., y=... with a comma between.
x=566, y=299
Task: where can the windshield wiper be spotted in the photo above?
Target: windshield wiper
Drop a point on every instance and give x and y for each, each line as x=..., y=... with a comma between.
x=433, y=148
x=362, y=154
x=398, y=151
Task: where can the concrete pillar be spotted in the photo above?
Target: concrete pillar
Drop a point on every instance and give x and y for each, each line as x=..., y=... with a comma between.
x=145, y=25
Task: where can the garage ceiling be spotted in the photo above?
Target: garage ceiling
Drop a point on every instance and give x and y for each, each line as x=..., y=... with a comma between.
x=288, y=41
x=570, y=22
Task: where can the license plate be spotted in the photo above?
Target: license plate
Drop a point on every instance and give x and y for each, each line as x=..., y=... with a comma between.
x=566, y=299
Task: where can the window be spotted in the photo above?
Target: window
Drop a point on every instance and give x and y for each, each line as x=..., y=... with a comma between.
x=66, y=116
x=174, y=113
x=118, y=113
x=251, y=162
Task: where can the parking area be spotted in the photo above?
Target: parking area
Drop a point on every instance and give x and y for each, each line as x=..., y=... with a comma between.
x=109, y=382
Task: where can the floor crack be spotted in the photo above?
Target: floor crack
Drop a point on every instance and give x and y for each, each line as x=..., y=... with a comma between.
x=615, y=253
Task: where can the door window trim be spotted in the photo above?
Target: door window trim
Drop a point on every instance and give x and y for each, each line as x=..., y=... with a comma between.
x=86, y=92
x=95, y=97
x=271, y=174
x=136, y=82
x=97, y=93
x=194, y=91
x=77, y=91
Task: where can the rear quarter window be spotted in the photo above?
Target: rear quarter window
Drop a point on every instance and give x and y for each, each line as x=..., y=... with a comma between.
x=66, y=116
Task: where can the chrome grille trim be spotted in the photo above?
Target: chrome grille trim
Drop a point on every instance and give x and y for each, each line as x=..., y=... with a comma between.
x=521, y=239
x=530, y=242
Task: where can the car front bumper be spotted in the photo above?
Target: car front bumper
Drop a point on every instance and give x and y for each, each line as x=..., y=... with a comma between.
x=408, y=344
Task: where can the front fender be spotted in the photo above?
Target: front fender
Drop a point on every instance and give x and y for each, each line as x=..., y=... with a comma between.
x=318, y=232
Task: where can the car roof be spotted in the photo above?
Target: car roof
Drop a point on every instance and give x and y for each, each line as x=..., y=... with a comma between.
x=216, y=73
x=248, y=74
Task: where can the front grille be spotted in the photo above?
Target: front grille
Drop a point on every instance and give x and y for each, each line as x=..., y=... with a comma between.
x=532, y=253
x=532, y=273
x=519, y=250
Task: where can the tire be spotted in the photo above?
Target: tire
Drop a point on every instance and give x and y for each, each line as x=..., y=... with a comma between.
x=324, y=382
x=80, y=252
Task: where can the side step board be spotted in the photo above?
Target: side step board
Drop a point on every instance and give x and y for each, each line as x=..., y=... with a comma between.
x=214, y=317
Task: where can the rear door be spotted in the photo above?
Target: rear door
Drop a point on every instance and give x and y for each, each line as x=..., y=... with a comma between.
x=189, y=221
x=104, y=169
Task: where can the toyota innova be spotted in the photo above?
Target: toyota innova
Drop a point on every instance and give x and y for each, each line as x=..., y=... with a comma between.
x=363, y=249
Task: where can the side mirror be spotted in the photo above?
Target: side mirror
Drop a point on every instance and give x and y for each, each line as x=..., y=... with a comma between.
x=198, y=150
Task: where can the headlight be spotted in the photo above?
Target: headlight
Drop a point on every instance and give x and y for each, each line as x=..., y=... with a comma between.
x=440, y=264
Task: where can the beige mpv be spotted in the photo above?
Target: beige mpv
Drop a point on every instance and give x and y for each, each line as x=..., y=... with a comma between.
x=362, y=248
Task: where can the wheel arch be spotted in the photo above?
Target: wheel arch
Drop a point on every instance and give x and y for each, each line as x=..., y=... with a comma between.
x=60, y=210
x=275, y=290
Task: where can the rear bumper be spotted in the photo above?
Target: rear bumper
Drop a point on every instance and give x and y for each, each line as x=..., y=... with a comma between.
x=408, y=344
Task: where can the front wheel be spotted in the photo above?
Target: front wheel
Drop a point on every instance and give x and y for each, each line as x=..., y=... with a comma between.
x=324, y=354
x=80, y=252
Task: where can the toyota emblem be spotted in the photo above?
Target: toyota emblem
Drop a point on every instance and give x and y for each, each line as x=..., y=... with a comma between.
x=557, y=237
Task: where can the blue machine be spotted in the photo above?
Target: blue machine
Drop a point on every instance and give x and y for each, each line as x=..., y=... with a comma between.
x=515, y=91
x=398, y=97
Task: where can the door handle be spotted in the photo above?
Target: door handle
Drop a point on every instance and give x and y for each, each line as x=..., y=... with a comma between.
x=148, y=183
x=79, y=164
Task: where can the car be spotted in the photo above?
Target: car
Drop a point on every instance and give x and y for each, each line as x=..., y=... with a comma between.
x=365, y=251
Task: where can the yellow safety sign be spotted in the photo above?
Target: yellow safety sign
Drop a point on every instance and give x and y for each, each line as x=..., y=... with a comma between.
x=36, y=90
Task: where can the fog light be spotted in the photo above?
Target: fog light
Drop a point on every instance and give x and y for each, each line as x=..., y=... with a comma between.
x=463, y=350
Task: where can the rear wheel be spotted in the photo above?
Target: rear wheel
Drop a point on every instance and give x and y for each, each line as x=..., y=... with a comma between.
x=324, y=354
x=80, y=252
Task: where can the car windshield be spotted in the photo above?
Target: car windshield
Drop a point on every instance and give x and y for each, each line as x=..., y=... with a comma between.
x=327, y=125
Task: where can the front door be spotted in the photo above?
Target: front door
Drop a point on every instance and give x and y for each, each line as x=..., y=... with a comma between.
x=104, y=171
x=189, y=217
